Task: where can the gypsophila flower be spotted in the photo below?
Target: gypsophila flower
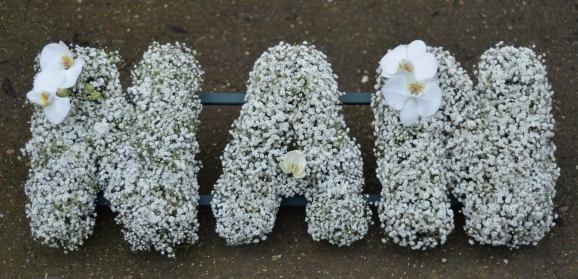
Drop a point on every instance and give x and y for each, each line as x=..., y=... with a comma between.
x=294, y=162
x=412, y=58
x=414, y=98
x=63, y=179
x=292, y=102
x=415, y=209
x=151, y=181
x=46, y=85
x=503, y=164
x=59, y=57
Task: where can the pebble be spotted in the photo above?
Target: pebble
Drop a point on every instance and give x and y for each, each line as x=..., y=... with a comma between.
x=364, y=79
x=563, y=209
x=8, y=195
x=10, y=151
x=444, y=260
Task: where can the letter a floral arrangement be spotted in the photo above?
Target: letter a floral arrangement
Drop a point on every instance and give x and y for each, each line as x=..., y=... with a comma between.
x=489, y=145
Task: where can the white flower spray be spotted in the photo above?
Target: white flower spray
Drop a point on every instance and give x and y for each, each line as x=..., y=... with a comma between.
x=63, y=180
x=503, y=164
x=154, y=185
x=292, y=103
x=415, y=209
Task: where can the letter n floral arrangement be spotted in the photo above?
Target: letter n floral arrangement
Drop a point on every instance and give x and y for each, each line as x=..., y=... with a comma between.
x=291, y=140
x=490, y=146
x=139, y=148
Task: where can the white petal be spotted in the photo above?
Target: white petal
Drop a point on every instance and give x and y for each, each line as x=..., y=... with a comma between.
x=408, y=115
x=415, y=50
x=431, y=99
x=395, y=92
x=72, y=73
x=51, y=55
x=283, y=167
x=425, y=67
x=390, y=62
x=302, y=162
x=57, y=111
x=294, y=155
x=35, y=97
x=49, y=80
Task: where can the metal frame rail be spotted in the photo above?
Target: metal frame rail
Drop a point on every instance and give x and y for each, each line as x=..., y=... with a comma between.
x=239, y=99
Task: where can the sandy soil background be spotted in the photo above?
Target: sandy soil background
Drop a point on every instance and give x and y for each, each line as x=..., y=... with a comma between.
x=229, y=36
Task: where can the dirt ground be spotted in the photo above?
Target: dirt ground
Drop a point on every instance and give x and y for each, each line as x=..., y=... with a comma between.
x=229, y=36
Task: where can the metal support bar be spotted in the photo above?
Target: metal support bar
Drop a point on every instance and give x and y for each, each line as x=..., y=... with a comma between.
x=296, y=201
x=239, y=99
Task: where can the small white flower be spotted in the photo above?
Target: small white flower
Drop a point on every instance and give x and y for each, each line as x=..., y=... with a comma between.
x=294, y=162
x=413, y=97
x=58, y=56
x=412, y=58
x=44, y=93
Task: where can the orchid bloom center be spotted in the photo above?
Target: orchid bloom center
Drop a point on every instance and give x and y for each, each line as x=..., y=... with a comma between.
x=67, y=61
x=46, y=98
x=415, y=89
x=405, y=64
x=294, y=162
x=295, y=167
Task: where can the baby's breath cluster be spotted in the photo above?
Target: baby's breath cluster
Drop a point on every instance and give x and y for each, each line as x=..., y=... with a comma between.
x=292, y=104
x=153, y=186
x=415, y=209
x=64, y=158
x=503, y=165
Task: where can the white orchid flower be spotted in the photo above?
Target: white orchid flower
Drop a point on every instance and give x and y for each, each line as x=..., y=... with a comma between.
x=44, y=93
x=294, y=162
x=413, y=58
x=58, y=56
x=413, y=97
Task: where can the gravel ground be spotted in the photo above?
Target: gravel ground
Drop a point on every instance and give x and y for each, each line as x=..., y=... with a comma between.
x=229, y=36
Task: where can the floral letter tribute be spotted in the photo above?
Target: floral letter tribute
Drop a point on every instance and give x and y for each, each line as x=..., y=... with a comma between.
x=415, y=209
x=138, y=147
x=489, y=146
x=65, y=151
x=292, y=104
x=503, y=167
x=154, y=185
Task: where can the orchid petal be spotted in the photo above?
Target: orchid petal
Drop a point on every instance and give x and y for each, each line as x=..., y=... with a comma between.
x=72, y=73
x=425, y=66
x=293, y=155
x=409, y=115
x=35, y=97
x=390, y=62
x=57, y=111
x=51, y=55
x=49, y=80
x=429, y=102
x=415, y=50
x=395, y=92
x=284, y=167
x=409, y=76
